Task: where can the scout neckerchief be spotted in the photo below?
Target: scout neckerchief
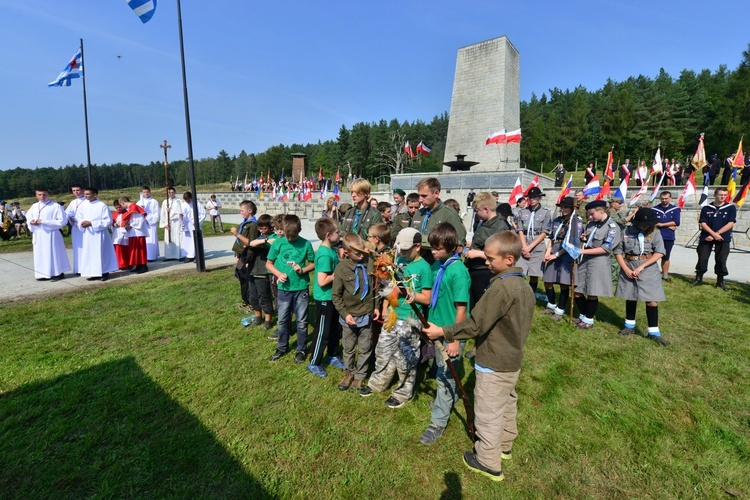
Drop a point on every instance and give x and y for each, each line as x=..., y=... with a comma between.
x=532, y=218
x=439, y=278
x=366, y=285
x=359, y=215
x=427, y=214
x=242, y=225
x=563, y=223
x=641, y=242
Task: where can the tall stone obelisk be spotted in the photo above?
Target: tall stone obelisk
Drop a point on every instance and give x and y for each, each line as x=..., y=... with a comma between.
x=486, y=99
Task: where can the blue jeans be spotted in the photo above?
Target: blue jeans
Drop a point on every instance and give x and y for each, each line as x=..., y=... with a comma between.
x=446, y=393
x=298, y=303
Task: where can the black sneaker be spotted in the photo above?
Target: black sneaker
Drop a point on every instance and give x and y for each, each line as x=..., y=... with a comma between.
x=627, y=331
x=273, y=336
x=276, y=355
x=431, y=434
x=719, y=284
x=365, y=391
x=300, y=357
x=659, y=340
x=470, y=459
x=394, y=403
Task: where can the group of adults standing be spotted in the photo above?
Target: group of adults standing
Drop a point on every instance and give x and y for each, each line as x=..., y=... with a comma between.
x=104, y=241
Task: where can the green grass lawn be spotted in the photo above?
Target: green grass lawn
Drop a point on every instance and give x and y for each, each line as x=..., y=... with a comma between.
x=155, y=390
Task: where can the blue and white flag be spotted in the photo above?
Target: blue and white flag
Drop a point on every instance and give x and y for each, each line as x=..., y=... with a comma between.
x=74, y=69
x=144, y=9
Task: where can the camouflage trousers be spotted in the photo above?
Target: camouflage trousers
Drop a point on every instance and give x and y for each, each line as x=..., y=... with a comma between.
x=397, y=352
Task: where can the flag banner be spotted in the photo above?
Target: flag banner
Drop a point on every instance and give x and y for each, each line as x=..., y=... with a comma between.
x=592, y=187
x=74, y=69
x=606, y=189
x=517, y=192
x=608, y=172
x=496, y=137
x=704, y=193
x=422, y=149
x=656, y=167
x=513, y=136
x=641, y=192
x=572, y=242
x=655, y=192
x=336, y=192
x=565, y=191
x=533, y=184
x=144, y=9
x=622, y=191
x=688, y=191
x=338, y=175
x=699, y=160
x=732, y=184
x=739, y=200
x=409, y=152
x=320, y=174
x=324, y=191
x=739, y=157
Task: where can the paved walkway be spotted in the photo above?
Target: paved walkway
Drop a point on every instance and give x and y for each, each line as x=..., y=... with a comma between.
x=17, y=281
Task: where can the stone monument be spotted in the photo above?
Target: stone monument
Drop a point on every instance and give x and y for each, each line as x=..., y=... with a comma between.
x=486, y=99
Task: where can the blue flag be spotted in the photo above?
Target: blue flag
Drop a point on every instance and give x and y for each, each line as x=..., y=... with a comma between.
x=74, y=69
x=144, y=9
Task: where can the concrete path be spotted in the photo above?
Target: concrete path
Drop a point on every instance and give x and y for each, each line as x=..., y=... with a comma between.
x=17, y=281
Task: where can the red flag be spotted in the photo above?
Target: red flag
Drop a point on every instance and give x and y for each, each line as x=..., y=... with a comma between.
x=422, y=149
x=739, y=157
x=689, y=190
x=320, y=174
x=338, y=174
x=496, y=137
x=604, y=191
x=513, y=136
x=534, y=183
x=608, y=172
x=516, y=193
x=408, y=150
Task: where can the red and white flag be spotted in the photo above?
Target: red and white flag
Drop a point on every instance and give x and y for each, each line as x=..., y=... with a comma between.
x=517, y=192
x=533, y=184
x=422, y=149
x=496, y=137
x=608, y=172
x=604, y=191
x=408, y=150
x=513, y=136
x=641, y=192
x=688, y=191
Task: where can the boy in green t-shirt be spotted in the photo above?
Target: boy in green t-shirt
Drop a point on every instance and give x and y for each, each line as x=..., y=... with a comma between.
x=448, y=305
x=291, y=259
x=397, y=350
x=327, y=331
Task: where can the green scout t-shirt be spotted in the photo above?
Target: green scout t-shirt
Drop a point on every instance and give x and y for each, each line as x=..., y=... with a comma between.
x=454, y=287
x=326, y=261
x=422, y=278
x=283, y=252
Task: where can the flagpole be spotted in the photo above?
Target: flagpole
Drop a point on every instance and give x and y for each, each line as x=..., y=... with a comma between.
x=86, y=114
x=200, y=262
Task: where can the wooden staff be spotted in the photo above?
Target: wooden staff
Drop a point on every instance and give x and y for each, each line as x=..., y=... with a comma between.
x=165, y=146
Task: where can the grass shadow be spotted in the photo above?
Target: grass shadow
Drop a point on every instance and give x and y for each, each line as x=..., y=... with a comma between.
x=111, y=431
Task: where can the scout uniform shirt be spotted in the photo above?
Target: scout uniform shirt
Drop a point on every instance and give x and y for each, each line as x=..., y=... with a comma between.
x=669, y=214
x=424, y=220
x=717, y=217
x=636, y=248
x=595, y=272
x=533, y=227
x=359, y=221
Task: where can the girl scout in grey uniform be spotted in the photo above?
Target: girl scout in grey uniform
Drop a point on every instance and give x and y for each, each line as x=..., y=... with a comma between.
x=640, y=279
x=594, y=273
x=533, y=225
x=558, y=264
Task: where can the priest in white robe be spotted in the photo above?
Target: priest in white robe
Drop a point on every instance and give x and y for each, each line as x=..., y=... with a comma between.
x=45, y=219
x=189, y=220
x=75, y=234
x=172, y=223
x=98, y=257
x=151, y=206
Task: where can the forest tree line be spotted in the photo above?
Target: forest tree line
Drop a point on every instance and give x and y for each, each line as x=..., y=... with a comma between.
x=578, y=125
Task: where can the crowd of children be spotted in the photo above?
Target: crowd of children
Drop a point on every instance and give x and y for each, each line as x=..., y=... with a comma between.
x=371, y=299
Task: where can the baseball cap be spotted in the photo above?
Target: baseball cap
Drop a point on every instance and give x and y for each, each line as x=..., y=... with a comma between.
x=407, y=238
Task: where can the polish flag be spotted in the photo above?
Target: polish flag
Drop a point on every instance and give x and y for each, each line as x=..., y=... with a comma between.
x=688, y=191
x=422, y=149
x=408, y=151
x=517, y=192
x=513, y=136
x=592, y=187
x=496, y=138
x=533, y=184
x=565, y=191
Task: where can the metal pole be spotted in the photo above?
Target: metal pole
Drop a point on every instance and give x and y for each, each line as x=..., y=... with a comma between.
x=200, y=263
x=86, y=114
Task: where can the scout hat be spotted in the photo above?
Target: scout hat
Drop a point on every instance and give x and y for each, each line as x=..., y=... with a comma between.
x=535, y=191
x=567, y=202
x=399, y=192
x=407, y=238
x=596, y=204
x=645, y=217
x=504, y=209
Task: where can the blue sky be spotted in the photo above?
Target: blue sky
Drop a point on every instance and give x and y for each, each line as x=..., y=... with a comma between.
x=266, y=73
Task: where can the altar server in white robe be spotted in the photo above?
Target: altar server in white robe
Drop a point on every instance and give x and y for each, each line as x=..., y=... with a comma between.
x=98, y=257
x=45, y=219
x=188, y=244
x=151, y=206
x=75, y=234
x=172, y=223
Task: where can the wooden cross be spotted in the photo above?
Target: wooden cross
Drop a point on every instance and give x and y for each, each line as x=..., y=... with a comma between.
x=165, y=146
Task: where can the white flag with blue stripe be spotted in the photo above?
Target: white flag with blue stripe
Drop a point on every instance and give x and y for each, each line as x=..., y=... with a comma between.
x=144, y=9
x=74, y=69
